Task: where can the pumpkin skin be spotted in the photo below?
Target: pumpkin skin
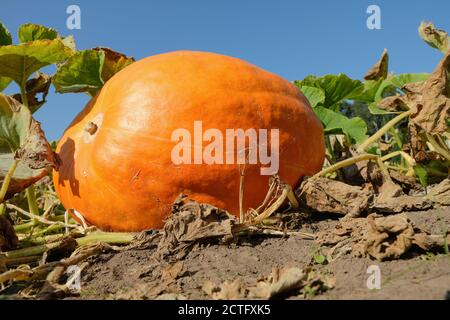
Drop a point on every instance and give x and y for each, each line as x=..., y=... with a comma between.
x=120, y=175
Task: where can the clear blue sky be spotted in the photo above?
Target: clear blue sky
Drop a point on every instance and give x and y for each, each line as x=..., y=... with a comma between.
x=290, y=38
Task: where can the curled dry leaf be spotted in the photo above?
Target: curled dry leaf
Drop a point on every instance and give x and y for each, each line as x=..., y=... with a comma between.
x=326, y=195
x=22, y=140
x=433, y=111
x=8, y=237
x=39, y=85
x=192, y=223
x=429, y=100
x=440, y=193
x=391, y=199
x=393, y=104
x=380, y=69
x=380, y=237
x=279, y=282
x=436, y=38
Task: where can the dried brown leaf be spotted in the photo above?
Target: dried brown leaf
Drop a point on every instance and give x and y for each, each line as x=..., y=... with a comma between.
x=380, y=237
x=326, y=195
x=8, y=237
x=192, y=223
x=440, y=193
x=391, y=199
x=380, y=69
x=279, y=282
x=433, y=109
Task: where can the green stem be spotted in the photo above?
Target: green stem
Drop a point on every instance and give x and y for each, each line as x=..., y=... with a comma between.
x=92, y=238
x=377, y=135
x=345, y=163
x=106, y=237
x=24, y=226
x=32, y=202
x=396, y=138
x=7, y=180
x=410, y=160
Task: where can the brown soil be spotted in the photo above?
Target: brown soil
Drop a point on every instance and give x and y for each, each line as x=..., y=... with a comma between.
x=131, y=274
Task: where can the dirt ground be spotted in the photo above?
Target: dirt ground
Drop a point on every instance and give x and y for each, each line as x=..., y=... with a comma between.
x=131, y=274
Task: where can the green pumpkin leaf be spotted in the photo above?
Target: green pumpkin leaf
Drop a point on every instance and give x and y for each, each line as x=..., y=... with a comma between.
x=5, y=39
x=336, y=88
x=315, y=96
x=80, y=73
x=22, y=140
x=113, y=62
x=336, y=123
x=5, y=36
x=402, y=79
x=18, y=62
x=31, y=32
x=88, y=70
x=434, y=37
x=370, y=91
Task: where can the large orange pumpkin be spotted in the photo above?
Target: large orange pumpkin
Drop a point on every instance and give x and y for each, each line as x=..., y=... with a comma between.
x=116, y=167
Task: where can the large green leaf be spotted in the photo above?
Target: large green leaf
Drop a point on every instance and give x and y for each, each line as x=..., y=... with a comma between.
x=315, y=96
x=18, y=62
x=336, y=88
x=5, y=36
x=31, y=32
x=22, y=140
x=393, y=84
x=88, y=70
x=336, y=123
x=81, y=73
x=5, y=39
x=369, y=92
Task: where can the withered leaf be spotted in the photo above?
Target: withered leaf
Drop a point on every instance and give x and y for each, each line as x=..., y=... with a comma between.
x=391, y=199
x=193, y=223
x=39, y=85
x=380, y=69
x=380, y=237
x=8, y=237
x=440, y=193
x=436, y=38
x=326, y=195
x=433, y=112
x=22, y=140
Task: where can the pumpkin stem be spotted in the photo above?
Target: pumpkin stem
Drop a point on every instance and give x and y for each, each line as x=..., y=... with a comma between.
x=91, y=128
x=363, y=147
